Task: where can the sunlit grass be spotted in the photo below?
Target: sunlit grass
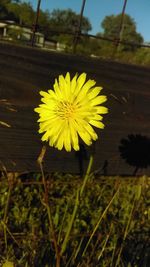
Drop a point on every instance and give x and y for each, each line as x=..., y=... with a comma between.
x=110, y=227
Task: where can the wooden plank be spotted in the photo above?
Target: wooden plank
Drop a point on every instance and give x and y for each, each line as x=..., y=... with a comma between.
x=25, y=71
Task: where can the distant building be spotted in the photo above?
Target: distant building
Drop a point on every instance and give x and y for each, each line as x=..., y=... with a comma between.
x=54, y=45
x=3, y=30
x=60, y=46
x=11, y=31
x=50, y=44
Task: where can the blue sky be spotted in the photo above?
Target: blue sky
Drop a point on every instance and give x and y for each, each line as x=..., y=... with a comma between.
x=96, y=10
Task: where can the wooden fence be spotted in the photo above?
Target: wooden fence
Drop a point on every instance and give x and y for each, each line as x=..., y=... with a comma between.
x=25, y=71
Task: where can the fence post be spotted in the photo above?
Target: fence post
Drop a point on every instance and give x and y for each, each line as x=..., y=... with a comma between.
x=35, y=25
x=117, y=43
x=77, y=33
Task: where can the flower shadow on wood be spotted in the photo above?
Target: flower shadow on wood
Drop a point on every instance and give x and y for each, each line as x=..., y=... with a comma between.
x=135, y=150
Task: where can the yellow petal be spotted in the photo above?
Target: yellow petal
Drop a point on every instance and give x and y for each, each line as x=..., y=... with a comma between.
x=98, y=100
x=57, y=90
x=85, y=137
x=52, y=93
x=94, y=92
x=73, y=84
x=56, y=133
x=67, y=78
x=46, y=135
x=96, y=117
x=102, y=110
x=42, y=107
x=74, y=136
x=82, y=133
x=67, y=139
x=60, y=142
x=47, y=116
x=86, y=127
x=45, y=125
x=64, y=87
x=80, y=81
x=45, y=94
x=48, y=101
x=82, y=93
x=97, y=124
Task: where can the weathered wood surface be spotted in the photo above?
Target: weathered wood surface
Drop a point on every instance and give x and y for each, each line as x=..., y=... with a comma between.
x=25, y=71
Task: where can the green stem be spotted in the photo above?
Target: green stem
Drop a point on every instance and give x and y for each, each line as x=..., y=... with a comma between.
x=7, y=230
x=105, y=243
x=86, y=175
x=78, y=194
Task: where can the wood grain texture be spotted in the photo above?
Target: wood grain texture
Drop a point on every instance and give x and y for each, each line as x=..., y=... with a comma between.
x=25, y=71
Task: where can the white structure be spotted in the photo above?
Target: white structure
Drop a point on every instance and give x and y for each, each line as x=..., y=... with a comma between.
x=60, y=47
x=3, y=29
x=9, y=31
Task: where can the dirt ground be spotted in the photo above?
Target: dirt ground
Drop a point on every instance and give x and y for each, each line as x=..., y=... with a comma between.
x=25, y=71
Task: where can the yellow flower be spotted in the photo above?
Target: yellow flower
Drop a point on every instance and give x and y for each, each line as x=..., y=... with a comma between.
x=68, y=111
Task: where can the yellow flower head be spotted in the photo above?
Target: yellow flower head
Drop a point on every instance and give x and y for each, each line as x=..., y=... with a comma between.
x=69, y=110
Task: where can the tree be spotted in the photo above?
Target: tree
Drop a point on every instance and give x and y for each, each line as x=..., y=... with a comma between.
x=4, y=2
x=17, y=11
x=60, y=25
x=23, y=12
x=68, y=20
x=111, y=28
x=44, y=23
x=63, y=25
x=3, y=9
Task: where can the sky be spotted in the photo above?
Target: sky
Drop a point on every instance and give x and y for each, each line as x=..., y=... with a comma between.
x=96, y=10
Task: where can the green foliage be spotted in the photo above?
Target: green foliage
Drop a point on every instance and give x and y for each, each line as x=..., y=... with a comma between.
x=88, y=46
x=112, y=28
x=15, y=34
x=23, y=13
x=58, y=23
x=68, y=20
x=114, y=209
x=3, y=9
x=142, y=57
x=57, y=20
x=45, y=24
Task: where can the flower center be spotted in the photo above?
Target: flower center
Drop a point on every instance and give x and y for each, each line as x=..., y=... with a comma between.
x=65, y=110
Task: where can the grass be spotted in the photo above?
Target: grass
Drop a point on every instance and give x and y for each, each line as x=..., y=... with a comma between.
x=106, y=225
